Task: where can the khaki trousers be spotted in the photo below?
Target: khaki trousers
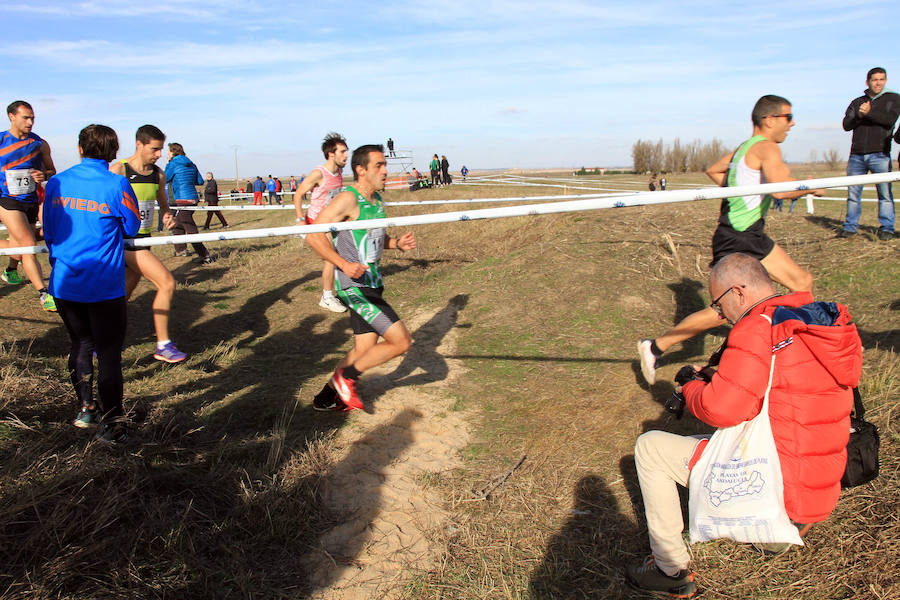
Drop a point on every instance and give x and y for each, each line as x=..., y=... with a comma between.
x=662, y=460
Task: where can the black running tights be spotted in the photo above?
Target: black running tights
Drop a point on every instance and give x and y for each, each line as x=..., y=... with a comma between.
x=96, y=327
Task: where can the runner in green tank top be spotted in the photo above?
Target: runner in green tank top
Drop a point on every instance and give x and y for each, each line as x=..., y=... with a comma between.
x=742, y=220
x=356, y=255
x=149, y=183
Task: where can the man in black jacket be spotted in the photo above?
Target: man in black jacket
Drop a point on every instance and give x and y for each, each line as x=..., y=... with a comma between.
x=871, y=118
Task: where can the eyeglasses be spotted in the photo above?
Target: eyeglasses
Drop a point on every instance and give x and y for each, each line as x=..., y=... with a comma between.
x=788, y=116
x=715, y=304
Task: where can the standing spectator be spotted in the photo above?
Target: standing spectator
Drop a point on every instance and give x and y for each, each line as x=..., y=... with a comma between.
x=390, y=145
x=662, y=183
x=258, y=187
x=464, y=172
x=435, y=166
x=184, y=177
x=293, y=185
x=897, y=139
x=211, y=195
x=652, y=183
x=278, y=191
x=871, y=119
x=270, y=188
x=445, y=170
x=87, y=253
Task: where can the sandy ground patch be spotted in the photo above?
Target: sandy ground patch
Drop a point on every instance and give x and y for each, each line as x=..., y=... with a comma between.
x=386, y=454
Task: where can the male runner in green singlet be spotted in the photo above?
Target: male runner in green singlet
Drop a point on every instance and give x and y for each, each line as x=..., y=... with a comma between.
x=149, y=184
x=742, y=219
x=356, y=254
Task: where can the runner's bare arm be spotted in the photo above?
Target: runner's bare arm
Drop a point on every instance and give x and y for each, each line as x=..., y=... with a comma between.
x=775, y=170
x=163, y=202
x=719, y=169
x=308, y=183
x=405, y=242
x=47, y=162
x=342, y=208
x=117, y=167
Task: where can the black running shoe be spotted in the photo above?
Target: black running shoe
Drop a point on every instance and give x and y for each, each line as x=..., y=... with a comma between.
x=325, y=401
x=648, y=577
x=113, y=434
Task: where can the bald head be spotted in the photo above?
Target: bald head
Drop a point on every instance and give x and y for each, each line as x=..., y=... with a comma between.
x=743, y=270
x=746, y=278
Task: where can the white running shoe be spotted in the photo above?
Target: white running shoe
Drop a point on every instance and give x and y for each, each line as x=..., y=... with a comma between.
x=333, y=304
x=648, y=361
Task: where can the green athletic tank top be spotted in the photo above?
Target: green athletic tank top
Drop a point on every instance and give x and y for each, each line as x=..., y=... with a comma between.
x=744, y=212
x=145, y=187
x=362, y=246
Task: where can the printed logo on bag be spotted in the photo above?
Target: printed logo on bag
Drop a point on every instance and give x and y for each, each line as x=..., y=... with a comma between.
x=736, y=478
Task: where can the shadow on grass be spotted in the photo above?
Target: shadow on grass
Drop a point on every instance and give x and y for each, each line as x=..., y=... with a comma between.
x=585, y=559
x=885, y=340
x=153, y=525
x=422, y=354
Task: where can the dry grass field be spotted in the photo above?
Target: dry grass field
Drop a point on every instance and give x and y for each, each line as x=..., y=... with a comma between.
x=493, y=461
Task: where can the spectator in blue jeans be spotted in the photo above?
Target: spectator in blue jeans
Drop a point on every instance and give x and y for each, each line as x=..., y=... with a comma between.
x=871, y=117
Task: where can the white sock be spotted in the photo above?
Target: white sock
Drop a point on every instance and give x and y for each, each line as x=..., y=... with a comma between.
x=162, y=344
x=327, y=294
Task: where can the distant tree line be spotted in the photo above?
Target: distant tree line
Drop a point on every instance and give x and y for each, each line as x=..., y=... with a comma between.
x=656, y=157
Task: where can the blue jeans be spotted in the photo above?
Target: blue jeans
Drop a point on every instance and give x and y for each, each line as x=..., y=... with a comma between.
x=861, y=164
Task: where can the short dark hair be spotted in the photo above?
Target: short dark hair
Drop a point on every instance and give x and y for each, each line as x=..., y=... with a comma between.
x=874, y=70
x=360, y=157
x=766, y=106
x=98, y=141
x=13, y=108
x=147, y=133
x=330, y=143
x=176, y=149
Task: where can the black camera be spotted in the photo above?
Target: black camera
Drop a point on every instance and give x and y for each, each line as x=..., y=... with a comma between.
x=675, y=404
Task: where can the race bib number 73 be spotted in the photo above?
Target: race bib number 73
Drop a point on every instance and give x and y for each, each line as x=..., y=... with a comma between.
x=19, y=181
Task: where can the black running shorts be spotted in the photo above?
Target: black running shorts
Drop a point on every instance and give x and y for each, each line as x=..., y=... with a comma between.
x=130, y=248
x=369, y=313
x=726, y=240
x=29, y=208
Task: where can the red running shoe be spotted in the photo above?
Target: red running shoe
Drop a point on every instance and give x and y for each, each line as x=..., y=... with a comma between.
x=346, y=389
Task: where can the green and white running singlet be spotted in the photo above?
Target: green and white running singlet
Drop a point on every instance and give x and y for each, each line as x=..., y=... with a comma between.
x=146, y=188
x=743, y=212
x=362, y=246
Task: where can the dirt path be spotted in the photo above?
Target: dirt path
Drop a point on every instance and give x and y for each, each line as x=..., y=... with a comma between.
x=386, y=454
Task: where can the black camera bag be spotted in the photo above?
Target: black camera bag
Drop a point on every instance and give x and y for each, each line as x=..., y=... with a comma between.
x=862, y=449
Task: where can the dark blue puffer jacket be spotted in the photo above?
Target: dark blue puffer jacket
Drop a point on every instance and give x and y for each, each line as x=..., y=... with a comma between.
x=183, y=175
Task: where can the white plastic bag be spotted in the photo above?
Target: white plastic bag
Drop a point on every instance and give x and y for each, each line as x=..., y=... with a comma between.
x=736, y=490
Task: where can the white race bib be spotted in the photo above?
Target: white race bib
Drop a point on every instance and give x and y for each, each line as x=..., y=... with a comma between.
x=19, y=181
x=375, y=245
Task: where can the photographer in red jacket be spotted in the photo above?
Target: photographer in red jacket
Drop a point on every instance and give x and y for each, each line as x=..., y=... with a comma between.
x=818, y=362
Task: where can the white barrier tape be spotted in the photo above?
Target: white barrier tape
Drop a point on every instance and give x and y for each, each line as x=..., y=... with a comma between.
x=419, y=202
x=595, y=203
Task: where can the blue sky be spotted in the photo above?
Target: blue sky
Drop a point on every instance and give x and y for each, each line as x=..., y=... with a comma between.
x=490, y=84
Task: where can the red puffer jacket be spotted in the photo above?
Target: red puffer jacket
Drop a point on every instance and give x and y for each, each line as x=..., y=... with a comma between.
x=818, y=360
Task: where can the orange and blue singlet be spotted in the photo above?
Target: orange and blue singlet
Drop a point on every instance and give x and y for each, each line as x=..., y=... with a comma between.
x=17, y=159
